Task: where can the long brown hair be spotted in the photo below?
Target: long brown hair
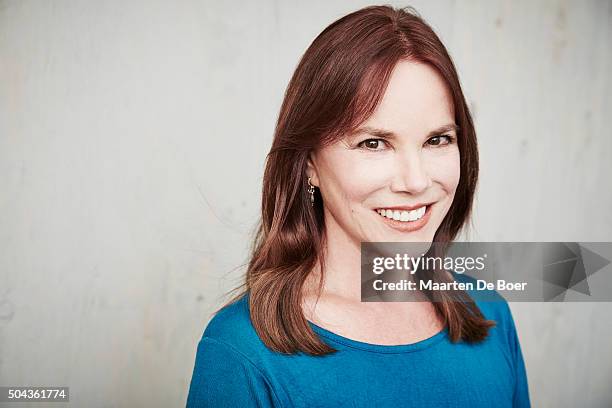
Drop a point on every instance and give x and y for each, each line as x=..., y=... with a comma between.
x=336, y=86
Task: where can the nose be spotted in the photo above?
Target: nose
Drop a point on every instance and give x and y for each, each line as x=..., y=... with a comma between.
x=410, y=174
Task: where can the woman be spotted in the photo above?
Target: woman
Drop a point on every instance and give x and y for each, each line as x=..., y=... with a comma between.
x=374, y=143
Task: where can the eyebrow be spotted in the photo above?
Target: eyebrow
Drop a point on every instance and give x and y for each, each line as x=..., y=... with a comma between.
x=387, y=134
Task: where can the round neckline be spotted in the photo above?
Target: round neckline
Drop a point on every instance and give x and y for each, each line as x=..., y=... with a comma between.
x=380, y=348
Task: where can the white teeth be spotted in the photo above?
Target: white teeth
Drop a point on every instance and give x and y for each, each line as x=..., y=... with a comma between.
x=405, y=216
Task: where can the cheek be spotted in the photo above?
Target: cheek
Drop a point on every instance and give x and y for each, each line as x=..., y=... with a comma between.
x=348, y=180
x=445, y=169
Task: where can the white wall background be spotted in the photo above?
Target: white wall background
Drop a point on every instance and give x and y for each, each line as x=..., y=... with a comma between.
x=132, y=141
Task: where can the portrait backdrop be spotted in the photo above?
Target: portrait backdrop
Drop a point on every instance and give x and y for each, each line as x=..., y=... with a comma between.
x=133, y=136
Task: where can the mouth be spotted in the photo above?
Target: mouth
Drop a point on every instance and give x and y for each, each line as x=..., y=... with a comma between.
x=406, y=219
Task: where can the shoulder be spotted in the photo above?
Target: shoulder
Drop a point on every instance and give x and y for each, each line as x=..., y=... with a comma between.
x=231, y=327
x=229, y=320
x=228, y=369
x=492, y=305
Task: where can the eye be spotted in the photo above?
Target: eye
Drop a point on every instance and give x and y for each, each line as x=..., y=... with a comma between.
x=371, y=144
x=438, y=140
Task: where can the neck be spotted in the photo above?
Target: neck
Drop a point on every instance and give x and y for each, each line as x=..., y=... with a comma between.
x=342, y=269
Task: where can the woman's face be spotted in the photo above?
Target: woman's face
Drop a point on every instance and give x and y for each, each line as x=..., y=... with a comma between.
x=404, y=156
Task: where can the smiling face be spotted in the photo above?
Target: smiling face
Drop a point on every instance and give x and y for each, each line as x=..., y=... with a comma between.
x=405, y=155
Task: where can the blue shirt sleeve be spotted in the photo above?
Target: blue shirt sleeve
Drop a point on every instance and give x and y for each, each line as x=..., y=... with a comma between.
x=521, y=388
x=223, y=377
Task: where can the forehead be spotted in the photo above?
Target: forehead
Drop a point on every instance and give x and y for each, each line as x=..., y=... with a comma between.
x=416, y=100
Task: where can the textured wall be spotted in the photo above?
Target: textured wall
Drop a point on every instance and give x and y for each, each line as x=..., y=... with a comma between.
x=132, y=142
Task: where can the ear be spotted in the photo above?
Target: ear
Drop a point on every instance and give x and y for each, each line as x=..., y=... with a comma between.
x=311, y=169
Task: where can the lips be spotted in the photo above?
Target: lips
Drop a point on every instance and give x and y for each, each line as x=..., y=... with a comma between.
x=403, y=215
x=405, y=207
x=407, y=226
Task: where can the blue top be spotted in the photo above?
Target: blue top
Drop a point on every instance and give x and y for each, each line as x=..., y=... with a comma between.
x=233, y=368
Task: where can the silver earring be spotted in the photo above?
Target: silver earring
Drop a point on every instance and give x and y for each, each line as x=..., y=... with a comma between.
x=311, y=190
